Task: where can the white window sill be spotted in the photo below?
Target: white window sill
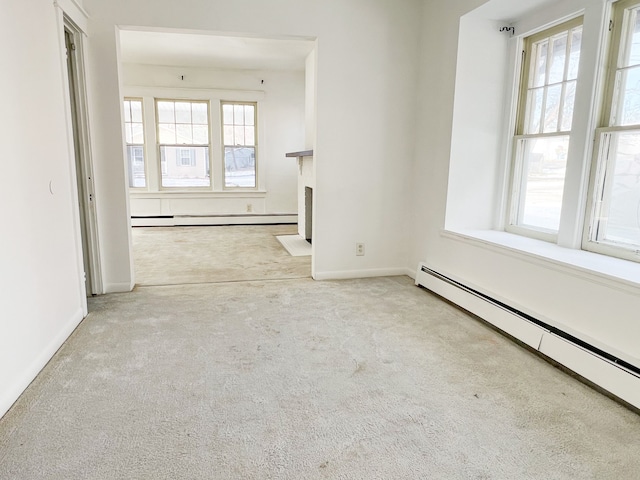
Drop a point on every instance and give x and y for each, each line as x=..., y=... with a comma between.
x=607, y=270
x=249, y=193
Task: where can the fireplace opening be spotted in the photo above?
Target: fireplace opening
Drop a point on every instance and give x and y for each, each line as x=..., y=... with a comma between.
x=308, y=213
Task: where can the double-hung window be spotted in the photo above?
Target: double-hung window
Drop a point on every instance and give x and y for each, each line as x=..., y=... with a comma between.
x=543, y=130
x=183, y=141
x=614, y=222
x=134, y=139
x=240, y=144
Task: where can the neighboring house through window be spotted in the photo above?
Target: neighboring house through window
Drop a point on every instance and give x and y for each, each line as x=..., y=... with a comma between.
x=183, y=140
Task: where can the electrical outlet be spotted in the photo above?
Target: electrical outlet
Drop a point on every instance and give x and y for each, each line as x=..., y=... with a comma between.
x=249, y=208
x=359, y=249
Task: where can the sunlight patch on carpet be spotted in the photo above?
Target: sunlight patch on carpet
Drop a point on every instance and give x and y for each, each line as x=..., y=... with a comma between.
x=295, y=245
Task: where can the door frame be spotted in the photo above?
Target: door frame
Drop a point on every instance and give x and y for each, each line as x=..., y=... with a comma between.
x=81, y=164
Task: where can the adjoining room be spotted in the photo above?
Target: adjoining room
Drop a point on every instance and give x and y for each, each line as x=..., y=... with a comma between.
x=208, y=122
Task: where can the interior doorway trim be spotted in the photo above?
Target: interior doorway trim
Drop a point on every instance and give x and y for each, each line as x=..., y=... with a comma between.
x=82, y=167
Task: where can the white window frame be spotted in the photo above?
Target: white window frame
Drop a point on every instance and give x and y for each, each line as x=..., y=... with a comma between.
x=517, y=159
x=602, y=162
x=254, y=146
x=141, y=145
x=163, y=164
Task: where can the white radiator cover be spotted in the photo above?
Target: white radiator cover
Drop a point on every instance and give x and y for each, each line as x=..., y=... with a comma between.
x=613, y=378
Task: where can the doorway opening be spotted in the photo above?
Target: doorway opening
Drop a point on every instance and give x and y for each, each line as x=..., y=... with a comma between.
x=218, y=100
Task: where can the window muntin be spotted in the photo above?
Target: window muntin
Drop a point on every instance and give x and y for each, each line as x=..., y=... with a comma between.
x=614, y=226
x=239, y=144
x=545, y=116
x=183, y=139
x=134, y=140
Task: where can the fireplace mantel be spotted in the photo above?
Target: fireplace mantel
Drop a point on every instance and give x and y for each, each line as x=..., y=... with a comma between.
x=306, y=184
x=303, y=153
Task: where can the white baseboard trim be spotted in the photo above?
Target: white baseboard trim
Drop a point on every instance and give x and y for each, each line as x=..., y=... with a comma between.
x=118, y=287
x=606, y=375
x=611, y=377
x=186, y=221
x=351, y=274
x=10, y=393
x=410, y=272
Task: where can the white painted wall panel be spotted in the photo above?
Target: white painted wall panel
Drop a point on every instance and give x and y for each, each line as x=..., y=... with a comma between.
x=366, y=83
x=41, y=292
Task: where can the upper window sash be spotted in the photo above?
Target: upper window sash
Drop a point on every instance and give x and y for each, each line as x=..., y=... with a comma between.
x=133, y=121
x=182, y=122
x=622, y=98
x=550, y=73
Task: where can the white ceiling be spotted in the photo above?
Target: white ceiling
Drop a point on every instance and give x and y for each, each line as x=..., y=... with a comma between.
x=214, y=51
x=509, y=10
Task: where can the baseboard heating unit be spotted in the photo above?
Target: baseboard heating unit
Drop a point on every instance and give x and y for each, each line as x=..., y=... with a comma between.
x=608, y=372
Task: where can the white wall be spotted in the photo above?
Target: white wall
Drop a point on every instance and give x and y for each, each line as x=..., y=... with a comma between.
x=589, y=304
x=41, y=292
x=310, y=101
x=281, y=126
x=366, y=81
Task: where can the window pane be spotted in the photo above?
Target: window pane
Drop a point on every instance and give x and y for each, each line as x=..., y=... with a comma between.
x=137, y=135
x=183, y=133
x=574, y=56
x=127, y=111
x=128, y=135
x=199, y=112
x=185, y=157
x=543, y=169
x=552, y=108
x=558, y=57
x=179, y=170
x=201, y=134
x=239, y=167
x=620, y=214
x=167, y=133
x=633, y=55
x=227, y=114
x=183, y=112
x=567, y=107
x=535, y=110
x=135, y=157
x=629, y=97
x=136, y=111
x=540, y=65
x=238, y=136
x=228, y=135
x=249, y=136
x=249, y=115
x=238, y=115
x=166, y=112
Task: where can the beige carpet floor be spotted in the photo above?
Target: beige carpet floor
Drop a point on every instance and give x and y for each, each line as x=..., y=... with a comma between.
x=296, y=379
x=180, y=255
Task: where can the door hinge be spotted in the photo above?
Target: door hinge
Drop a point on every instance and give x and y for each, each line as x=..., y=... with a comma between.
x=610, y=25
